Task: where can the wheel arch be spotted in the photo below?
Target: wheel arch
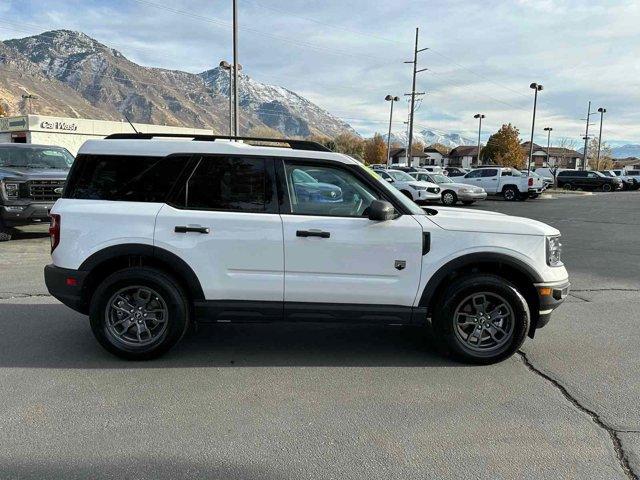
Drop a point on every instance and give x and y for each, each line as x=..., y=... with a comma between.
x=111, y=259
x=510, y=268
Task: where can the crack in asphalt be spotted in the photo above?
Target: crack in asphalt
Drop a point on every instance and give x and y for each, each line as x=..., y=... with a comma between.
x=623, y=459
x=10, y=295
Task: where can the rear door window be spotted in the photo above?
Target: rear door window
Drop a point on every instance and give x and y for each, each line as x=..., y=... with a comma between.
x=125, y=178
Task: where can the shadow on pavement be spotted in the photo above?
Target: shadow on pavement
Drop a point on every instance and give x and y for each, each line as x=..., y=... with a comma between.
x=52, y=336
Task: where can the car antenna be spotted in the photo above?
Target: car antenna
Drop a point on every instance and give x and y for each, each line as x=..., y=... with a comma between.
x=134, y=128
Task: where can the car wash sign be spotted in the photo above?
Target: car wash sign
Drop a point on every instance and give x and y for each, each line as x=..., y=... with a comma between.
x=13, y=124
x=59, y=125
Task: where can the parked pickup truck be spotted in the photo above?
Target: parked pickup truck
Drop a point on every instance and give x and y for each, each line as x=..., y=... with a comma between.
x=31, y=180
x=505, y=181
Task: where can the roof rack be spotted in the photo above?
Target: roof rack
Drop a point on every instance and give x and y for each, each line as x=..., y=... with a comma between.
x=293, y=144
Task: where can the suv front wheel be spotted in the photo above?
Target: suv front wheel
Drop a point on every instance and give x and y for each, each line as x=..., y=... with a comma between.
x=139, y=313
x=482, y=319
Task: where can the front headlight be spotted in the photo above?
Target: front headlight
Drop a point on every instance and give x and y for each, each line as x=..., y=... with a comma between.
x=11, y=190
x=418, y=187
x=554, y=251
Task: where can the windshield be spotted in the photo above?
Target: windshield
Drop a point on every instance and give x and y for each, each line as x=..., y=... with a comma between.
x=34, y=157
x=438, y=178
x=400, y=176
x=300, y=176
x=395, y=193
x=516, y=173
x=600, y=174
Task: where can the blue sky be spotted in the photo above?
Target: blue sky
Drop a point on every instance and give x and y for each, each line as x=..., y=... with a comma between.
x=346, y=56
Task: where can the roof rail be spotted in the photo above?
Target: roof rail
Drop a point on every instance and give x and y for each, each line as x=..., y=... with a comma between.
x=293, y=144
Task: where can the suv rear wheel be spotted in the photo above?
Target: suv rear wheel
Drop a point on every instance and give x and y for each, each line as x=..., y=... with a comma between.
x=139, y=313
x=483, y=319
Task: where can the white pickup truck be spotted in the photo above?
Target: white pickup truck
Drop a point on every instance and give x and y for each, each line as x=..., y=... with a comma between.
x=508, y=182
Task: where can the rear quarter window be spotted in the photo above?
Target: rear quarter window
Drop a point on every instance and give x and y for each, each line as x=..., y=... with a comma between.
x=124, y=178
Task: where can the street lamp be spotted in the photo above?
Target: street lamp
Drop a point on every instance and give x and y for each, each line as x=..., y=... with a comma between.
x=392, y=99
x=548, y=130
x=479, y=116
x=29, y=97
x=602, y=112
x=537, y=88
x=227, y=66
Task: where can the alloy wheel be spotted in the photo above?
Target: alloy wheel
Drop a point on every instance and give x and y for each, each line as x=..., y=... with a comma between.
x=484, y=322
x=136, y=316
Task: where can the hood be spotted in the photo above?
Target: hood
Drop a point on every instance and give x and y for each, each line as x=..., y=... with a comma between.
x=467, y=220
x=462, y=185
x=422, y=183
x=24, y=173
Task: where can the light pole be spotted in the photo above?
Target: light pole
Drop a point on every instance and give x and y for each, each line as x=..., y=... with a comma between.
x=29, y=97
x=227, y=66
x=392, y=99
x=537, y=88
x=236, y=119
x=548, y=130
x=602, y=112
x=479, y=116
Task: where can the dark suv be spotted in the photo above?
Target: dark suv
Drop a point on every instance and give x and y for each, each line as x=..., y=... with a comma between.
x=587, y=180
x=31, y=180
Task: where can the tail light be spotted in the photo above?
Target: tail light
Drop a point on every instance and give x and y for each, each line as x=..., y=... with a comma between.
x=54, y=231
x=531, y=181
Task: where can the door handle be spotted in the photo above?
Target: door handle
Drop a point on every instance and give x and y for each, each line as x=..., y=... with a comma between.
x=313, y=233
x=191, y=228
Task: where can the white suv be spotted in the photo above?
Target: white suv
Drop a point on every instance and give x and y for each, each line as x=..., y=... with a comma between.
x=154, y=235
x=419, y=191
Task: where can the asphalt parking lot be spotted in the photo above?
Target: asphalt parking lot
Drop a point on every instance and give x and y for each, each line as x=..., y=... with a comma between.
x=344, y=402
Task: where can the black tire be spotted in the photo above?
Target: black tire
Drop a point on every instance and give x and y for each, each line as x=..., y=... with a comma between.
x=606, y=187
x=173, y=299
x=534, y=195
x=5, y=233
x=449, y=198
x=567, y=186
x=510, y=193
x=468, y=202
x=446, y=326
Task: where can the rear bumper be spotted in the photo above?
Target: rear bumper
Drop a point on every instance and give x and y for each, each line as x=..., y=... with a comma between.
x=550, y=297
x=25, y=214
x=66, y=285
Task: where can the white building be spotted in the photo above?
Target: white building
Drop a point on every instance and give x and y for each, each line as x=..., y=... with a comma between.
x=71, y=133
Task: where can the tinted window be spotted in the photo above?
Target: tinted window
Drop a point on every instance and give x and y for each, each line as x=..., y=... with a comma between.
x=124, y=178
x=316, y=190
x=489, y=172
x=474, y=174
x=228, y=183
x=568, y=173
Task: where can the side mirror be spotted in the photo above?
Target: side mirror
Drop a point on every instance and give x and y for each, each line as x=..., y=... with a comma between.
x=389, y=179
x=381, y=211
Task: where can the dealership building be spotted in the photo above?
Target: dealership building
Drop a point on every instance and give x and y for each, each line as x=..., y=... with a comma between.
x=71, y=133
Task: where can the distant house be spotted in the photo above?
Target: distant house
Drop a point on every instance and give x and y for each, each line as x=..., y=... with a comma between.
x=558, y=156
x=463, y=156
x=434, y=157
x=399, y=157
x=630, y=163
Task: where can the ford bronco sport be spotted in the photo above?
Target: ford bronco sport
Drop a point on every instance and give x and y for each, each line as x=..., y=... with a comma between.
x=154, y=234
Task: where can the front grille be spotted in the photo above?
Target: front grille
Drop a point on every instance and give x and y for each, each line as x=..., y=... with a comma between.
x=433, y=190
x=44, y=190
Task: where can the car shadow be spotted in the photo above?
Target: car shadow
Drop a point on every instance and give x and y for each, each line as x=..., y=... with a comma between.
x=18, y=234
x=53, y=336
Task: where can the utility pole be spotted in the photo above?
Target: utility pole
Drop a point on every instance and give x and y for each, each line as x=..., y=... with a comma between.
x=548, y=130
x=413, y=95
x=236, y=116
x=392, y=99
x=227, y=66
x=586, y=139
x=479, y=116
x=29, y=97
x=602, y=112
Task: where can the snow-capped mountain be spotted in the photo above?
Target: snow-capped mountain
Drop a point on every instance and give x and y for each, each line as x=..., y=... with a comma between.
x=79, y=76
x=625, y=151
x=429, y=137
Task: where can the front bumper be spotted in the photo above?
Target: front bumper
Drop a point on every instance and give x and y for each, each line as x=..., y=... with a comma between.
x=424, y=196
x=471, y=197
x=66, y=285
x=25, y=214
x=550, y=296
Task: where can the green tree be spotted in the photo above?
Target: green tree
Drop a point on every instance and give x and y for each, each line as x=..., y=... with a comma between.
x=375, y=150
x=503, y=148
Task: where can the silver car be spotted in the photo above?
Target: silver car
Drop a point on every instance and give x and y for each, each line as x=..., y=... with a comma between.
x=450, y=191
